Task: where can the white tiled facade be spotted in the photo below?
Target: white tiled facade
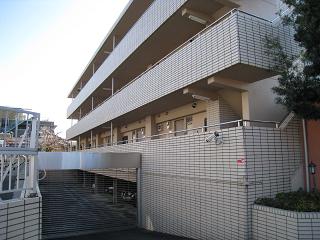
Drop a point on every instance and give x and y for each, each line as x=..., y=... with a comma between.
x=199, y=190
x=190, y=187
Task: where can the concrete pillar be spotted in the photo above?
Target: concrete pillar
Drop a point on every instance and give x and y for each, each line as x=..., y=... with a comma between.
x=91, y=139
x=245, y=106
x=150, y=126
x=84, y=179
x=97, y=140
x=213, y=114
x=96, y=183
x=92, y=103
x=116, y=135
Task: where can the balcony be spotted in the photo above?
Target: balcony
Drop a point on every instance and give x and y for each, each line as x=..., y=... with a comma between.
x=233, y=47
x=159, y=11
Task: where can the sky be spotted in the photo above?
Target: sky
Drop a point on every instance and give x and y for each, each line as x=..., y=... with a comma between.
x=44, y=47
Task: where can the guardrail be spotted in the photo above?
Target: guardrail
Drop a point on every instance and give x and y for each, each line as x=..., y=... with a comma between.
x=203, y=129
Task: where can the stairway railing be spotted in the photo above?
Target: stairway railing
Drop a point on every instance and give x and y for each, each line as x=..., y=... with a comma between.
x=18, y=152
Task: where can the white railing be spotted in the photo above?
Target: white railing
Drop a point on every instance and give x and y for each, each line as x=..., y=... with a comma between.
x=203, y=129
x=19, y=131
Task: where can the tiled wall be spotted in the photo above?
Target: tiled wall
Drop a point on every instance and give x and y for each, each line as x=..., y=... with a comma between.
x=201, y=190
x=272, y=223
x=274, y=156
x=21, y=219
x=274, y=160
x=219, y=111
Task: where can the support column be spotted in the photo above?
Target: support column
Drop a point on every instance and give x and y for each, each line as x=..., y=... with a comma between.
x=91, y=139
x=116, y=135
x=96, y=182
x=139, y=198
x=92, y=103
x=113, y=42
x=213, y=114
x=150, y=126
x=112, y=86
x=97, y=139
x=84, y=178
x=245, y=106
x=115, y=191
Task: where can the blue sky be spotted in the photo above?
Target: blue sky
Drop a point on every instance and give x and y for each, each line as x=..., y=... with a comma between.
x=44, y=47
x=23, y=20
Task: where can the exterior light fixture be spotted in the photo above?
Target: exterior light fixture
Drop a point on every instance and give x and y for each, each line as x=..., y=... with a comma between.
x=197, y=19
x=312, y=171
x=107, y=89
x=196, y=16
x=312, y=168
x=198, y=97
x=194, y=104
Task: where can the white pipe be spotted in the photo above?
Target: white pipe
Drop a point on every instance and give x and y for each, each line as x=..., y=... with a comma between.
x=306, y=157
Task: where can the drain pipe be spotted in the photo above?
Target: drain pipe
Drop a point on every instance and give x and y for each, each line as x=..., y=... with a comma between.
x=306, y=157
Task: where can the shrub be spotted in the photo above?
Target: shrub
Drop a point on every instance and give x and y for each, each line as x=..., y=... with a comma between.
x=299, y=201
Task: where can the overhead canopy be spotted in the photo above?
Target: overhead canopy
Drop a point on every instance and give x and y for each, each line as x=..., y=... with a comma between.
x=87, y=160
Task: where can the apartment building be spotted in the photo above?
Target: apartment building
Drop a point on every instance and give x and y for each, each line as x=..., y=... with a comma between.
x=187, y=83
x=164, y=64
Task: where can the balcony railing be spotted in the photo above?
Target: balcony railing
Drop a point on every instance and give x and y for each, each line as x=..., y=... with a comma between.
x=204, y=129
x=236, y=37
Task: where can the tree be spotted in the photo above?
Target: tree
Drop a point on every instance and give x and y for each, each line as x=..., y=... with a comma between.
x=49, y=141
x=299, y=81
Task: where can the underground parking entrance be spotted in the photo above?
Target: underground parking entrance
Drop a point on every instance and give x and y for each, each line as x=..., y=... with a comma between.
x=77, y=202
x=89, y=195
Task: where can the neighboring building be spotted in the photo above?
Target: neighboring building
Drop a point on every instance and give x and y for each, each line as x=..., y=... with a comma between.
x=48, y=125
x=187, y=83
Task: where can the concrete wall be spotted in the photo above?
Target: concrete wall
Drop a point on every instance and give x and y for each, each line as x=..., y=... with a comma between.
x=273, y=223
x=201, y=190
x=21, y=219
x=262, y=104
x=263, y=8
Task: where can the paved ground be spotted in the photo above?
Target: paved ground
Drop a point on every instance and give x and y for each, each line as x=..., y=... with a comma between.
x=134, y=234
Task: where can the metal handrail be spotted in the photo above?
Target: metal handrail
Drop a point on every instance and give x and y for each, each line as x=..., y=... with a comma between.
x=234, y=10
x=238, y=123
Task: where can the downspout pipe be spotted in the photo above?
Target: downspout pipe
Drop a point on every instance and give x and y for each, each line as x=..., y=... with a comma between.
x=306, y=156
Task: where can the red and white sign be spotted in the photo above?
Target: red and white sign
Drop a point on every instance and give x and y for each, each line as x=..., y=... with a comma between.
x=241, y=162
